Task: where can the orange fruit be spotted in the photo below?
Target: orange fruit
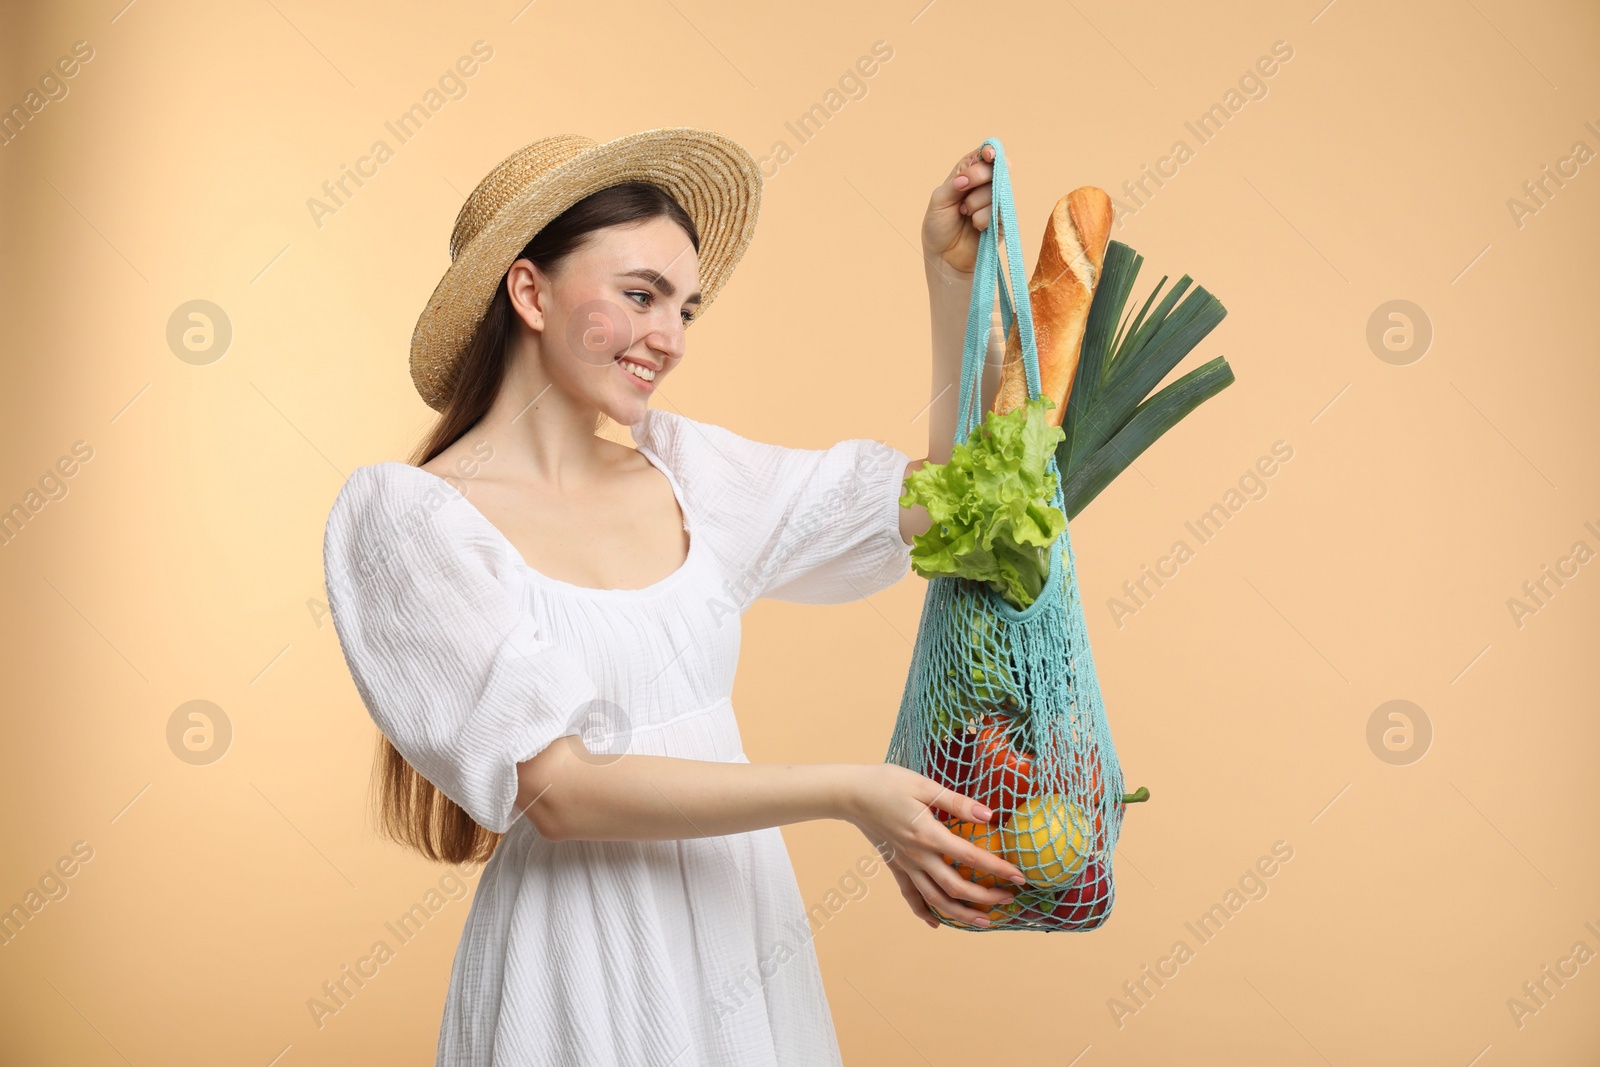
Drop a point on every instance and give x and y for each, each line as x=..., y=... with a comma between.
x=985, y=837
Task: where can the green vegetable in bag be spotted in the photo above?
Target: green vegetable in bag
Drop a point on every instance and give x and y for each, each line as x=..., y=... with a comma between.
x=990, y=684
x=990, y=505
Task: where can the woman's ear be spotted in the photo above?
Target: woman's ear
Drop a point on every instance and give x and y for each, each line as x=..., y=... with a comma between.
x=528, y=288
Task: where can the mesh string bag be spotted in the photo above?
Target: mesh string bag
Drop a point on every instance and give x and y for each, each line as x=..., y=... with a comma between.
x=1003, y=705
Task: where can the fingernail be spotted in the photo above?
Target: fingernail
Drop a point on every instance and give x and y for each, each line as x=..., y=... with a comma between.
x=983, y=813
x=961, y=181
x=1019, y=879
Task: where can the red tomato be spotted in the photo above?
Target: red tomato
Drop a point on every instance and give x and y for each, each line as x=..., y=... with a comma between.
x=983, y=765
x=950, y=759
x=950, y=764
x=1003, y=776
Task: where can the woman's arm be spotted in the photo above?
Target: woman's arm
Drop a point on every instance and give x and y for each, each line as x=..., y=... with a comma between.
x=570, y=794
x=958, y=210
x=949, y=298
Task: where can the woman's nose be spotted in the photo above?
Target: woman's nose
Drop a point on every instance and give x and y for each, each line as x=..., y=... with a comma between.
x=668, y=335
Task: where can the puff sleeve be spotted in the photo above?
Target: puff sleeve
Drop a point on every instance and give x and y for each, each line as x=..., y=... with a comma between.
x=809, y=526
x=455, y=673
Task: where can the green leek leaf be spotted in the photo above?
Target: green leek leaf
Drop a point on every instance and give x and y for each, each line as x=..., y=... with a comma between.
x=1111, y=418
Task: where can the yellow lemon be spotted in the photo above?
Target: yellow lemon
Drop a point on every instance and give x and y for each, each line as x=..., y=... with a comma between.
x=1047, y=838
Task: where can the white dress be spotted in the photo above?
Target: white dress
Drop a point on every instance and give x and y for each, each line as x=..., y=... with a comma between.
x=683, y=952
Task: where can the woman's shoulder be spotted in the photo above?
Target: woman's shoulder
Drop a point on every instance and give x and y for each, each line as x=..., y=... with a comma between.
x=397, y=513
x=393, y=491
x=695, y=449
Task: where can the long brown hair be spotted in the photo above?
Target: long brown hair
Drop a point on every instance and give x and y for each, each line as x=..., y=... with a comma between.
x=412, y=810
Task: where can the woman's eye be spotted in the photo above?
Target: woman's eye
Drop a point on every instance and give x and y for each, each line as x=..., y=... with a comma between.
x=688, y=316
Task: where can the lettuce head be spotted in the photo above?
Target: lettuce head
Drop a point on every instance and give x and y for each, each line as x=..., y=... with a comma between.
x=990, y=505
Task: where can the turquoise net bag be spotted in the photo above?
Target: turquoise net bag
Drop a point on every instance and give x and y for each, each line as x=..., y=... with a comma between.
x=1002, y=704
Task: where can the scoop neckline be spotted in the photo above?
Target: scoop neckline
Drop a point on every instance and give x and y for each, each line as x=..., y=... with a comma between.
x=657, y=586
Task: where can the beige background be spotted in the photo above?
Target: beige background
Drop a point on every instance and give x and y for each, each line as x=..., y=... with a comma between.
x=182, y=561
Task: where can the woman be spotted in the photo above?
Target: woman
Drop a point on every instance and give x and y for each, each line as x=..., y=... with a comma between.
x=585, y=604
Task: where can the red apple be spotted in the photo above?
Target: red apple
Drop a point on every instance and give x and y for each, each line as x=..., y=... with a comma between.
x=1083, y=905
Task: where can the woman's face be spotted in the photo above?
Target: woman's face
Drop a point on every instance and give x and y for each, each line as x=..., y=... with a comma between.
x=619, y=301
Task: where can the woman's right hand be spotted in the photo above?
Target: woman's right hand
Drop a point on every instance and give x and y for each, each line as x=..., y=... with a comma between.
x=892, y=805
x=959, y=210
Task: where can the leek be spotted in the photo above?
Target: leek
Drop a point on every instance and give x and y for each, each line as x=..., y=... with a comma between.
x=1110, y=418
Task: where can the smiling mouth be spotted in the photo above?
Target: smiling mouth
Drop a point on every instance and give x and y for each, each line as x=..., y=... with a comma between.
x=636, y=369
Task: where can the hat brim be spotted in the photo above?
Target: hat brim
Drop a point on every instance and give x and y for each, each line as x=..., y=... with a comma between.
x=715, y=179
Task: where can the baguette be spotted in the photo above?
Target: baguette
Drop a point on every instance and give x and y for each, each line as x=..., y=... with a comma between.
x=1059, y=293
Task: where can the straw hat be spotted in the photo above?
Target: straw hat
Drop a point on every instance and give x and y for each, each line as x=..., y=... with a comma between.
x=715, y=180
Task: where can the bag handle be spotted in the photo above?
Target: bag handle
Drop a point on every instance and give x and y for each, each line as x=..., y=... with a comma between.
x=985, y=274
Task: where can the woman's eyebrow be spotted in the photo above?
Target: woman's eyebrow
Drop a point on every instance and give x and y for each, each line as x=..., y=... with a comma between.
x=657, y=279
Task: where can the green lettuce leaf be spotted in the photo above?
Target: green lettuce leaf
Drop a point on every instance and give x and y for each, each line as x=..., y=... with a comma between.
x=990, y=505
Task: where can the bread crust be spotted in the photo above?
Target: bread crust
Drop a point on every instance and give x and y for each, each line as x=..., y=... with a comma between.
x=1059, y=294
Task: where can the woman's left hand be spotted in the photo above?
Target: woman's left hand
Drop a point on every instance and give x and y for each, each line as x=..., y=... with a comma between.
x=958, y=211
